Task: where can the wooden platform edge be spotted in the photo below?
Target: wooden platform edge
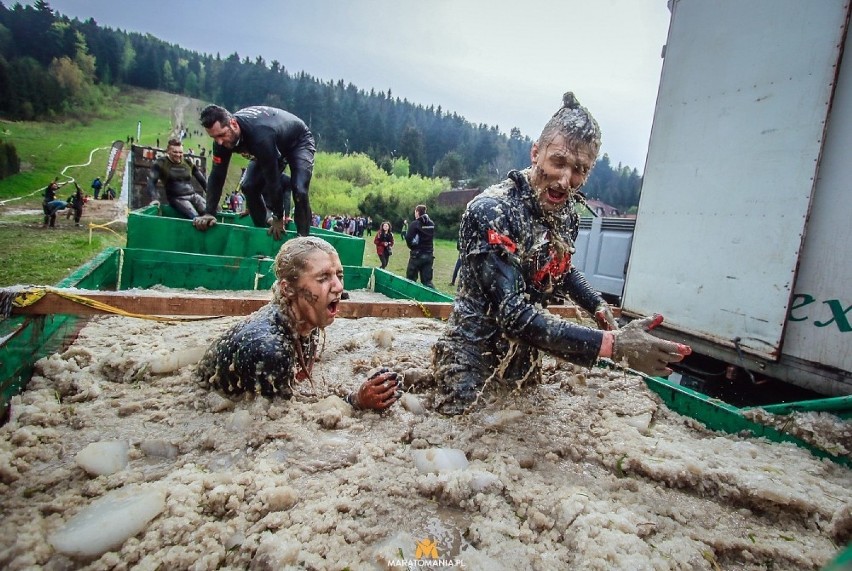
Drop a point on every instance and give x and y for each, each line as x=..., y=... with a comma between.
x=218, y=305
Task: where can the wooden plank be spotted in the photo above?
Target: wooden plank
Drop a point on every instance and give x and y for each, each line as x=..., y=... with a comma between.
x=179, y=305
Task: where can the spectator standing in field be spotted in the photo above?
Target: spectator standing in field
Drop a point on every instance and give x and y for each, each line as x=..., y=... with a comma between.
x=384, y=243
x=76, y=203
x=419, y=238
x=274, y=139
x=50, y=204
x=176, y=172
x=97, y=185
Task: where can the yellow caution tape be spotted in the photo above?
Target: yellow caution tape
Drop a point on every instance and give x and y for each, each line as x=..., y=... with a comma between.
x=93, y=226
x=423, y=308
x=30, y=296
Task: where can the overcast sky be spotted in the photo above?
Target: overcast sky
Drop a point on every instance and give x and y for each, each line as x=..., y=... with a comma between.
x=499, y=62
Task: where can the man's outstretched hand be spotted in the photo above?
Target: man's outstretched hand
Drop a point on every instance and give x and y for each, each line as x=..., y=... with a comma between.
x=642, y=351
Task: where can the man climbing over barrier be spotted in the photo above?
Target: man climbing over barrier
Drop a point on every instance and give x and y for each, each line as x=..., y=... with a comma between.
x=273, y=139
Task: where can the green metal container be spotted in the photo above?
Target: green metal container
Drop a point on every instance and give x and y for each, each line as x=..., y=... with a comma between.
x=718, y=415
x=27, y=339
x=160, y=228
x=396, y=287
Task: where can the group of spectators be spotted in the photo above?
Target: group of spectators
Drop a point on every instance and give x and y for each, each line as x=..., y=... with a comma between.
x=349, y=225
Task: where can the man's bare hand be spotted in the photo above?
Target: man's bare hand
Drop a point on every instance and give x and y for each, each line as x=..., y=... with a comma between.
x=204, y=222
x=604, y=318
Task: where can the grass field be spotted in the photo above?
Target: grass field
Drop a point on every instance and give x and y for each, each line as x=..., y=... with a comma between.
x=45, y=149
x=35, y=255
x=445, y=260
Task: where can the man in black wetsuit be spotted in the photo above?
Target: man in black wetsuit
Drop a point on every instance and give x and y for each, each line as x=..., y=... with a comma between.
x=176, y=174
x=273, y=138
x=516, y=241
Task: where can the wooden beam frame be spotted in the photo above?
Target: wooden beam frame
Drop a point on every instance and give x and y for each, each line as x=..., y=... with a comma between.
x=216, y=305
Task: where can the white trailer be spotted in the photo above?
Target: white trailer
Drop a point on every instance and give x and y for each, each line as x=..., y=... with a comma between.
x=744, y=225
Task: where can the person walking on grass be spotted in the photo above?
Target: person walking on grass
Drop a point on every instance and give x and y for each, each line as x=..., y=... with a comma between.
x=384, y=243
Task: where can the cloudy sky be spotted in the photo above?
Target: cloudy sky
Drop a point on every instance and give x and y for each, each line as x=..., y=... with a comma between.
x=499, y=62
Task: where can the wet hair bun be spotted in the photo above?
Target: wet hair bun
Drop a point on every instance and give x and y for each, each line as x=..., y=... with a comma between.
x=570, y=101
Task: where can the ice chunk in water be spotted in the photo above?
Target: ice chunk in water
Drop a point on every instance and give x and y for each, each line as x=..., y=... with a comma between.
x=439, y=460
x=102, y=458
x=109, y=521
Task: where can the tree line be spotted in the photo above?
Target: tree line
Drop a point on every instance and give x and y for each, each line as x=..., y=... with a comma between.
x=51, y=65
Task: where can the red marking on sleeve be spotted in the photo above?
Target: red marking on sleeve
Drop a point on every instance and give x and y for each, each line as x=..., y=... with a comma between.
x=217, y=160
x=554, y=268
x=497, y=239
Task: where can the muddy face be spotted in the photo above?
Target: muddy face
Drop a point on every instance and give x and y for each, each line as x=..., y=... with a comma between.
x=175, y=153
x=558, y=170
x=225, y=135
x=316, y=294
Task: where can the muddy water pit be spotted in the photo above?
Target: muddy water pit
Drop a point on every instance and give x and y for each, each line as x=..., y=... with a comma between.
x=586, y=471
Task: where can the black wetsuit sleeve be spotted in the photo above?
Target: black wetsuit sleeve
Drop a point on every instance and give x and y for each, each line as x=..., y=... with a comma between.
x=576, y=286
x=153, y=177
x=216, y=180
x=503, y=284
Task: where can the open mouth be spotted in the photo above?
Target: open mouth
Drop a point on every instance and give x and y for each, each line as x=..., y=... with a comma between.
x=333, y=307
x=556, y=196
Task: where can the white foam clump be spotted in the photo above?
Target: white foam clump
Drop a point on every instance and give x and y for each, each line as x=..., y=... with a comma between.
x=439, y=460
x=109, y=521
x=103, y=458
x=175, y=360
x=239, y=421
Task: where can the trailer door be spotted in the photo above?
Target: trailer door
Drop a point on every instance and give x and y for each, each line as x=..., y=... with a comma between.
x=738, y=129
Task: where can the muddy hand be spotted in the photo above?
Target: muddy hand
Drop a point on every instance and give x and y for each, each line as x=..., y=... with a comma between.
x=204, y=222
x=644, y=352
x=378, y=392
x=604, y=317
x=276, y=227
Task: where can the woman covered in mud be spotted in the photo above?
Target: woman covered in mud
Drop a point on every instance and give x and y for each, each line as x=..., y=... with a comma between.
x=276, y=346
x=516, y=242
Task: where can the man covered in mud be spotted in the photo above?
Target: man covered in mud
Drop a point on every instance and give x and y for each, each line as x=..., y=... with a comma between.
x=516, y=242
x=276, y=347
x=272, y=138
x=176, y=173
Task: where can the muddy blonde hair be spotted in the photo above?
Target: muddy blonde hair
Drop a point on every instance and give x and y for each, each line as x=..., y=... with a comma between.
x=575, y=123
x=291, y=261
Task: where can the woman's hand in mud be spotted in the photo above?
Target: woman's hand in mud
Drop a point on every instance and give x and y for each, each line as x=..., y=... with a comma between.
x=378, y=392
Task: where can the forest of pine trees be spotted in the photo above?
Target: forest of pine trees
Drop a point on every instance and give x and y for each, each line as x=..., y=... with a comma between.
x=50, y=65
